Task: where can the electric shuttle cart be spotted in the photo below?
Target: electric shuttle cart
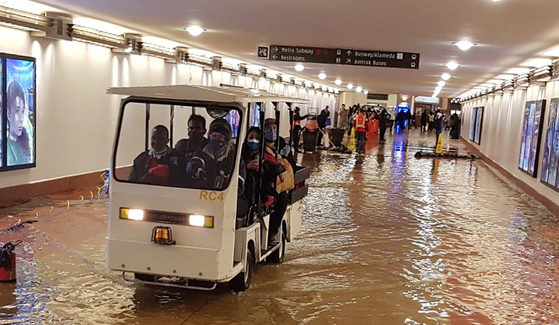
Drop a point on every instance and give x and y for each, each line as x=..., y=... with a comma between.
x=189, y=234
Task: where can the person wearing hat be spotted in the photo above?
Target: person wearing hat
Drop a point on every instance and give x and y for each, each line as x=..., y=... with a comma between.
x=212, y=166
x=272, y=169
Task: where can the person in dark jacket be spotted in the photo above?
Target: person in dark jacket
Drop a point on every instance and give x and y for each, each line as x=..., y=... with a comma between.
x=384, y=117
x=196, y=137
x=159, y=164
x=321, y=120
x=423, y=121
x=297, y=118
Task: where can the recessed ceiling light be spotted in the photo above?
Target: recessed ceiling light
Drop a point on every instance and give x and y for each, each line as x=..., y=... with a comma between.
x=505, y=76
x=350, y=86
x=464, y=45
x=441, y=83
x=195, y=30
x=536, y=63
x=338, y=82
x=452, y=65
x=358, y=89
x=365, y=92
x=299, y=67
x=322, y=76
x=445, y=76
x=518, y=70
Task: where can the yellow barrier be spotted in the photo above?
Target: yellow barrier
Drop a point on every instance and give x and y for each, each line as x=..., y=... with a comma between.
x=439, y=144
x=352, y=140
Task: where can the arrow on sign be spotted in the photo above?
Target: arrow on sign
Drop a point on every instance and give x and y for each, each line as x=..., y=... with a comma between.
x=348, y=52
x=275, y=48
x=348, y=61
x=275, y=57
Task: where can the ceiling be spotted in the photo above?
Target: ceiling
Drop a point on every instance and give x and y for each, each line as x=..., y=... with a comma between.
x=507, y=33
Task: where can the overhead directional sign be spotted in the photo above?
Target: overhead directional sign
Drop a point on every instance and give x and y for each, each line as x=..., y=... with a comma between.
x=404, y=60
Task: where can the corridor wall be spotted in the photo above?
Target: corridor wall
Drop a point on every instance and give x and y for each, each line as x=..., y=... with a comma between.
x=502, y=133
x=76, y=119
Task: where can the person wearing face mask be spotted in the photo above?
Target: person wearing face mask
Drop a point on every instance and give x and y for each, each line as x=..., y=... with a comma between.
x=196, y=137
x=271, y=170
x=211, y=167
x=159, y=164
x=251, y=148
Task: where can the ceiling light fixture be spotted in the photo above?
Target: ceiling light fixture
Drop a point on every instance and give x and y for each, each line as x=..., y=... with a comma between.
x=452, y=65
x=195, y=30
x=464, y=45
x=322, y=76
x=358, y=89
x=299, y=67
x=441, y=83
x=365, y=92
x=445, y=76
x=338, y=82
x=350, y=86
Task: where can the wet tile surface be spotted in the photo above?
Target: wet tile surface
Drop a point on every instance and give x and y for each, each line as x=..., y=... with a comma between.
x=387, y=239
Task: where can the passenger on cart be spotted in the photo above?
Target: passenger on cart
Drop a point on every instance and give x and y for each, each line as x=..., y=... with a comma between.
x=212, y=166
x=196, y=137
x=159, y=164
x=273, y=168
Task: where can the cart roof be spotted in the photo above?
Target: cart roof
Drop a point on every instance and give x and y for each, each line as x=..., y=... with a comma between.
x=203, y=93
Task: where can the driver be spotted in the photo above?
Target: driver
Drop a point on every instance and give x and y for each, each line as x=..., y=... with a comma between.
x=212, y=166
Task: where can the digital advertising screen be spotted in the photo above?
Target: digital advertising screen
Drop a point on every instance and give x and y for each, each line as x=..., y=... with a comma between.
x=479, y=119
x=550, y=164
x=531, y=136
x=1, y=115
x=476, y=123
x=18, y=111
x=473, y=123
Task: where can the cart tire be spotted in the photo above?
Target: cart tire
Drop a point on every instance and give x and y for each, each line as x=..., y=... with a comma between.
x=241, y=282
x=277, y=255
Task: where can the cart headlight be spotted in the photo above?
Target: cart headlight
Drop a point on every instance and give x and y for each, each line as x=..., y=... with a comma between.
x=131, y=214
x=200, y=221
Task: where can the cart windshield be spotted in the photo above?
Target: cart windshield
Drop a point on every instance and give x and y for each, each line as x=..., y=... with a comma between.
x=190, y=145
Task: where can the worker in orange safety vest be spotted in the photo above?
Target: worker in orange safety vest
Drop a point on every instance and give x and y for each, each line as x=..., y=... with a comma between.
x=360, y=131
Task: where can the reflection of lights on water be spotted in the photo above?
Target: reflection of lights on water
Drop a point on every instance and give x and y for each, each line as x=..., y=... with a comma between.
x=400, y=142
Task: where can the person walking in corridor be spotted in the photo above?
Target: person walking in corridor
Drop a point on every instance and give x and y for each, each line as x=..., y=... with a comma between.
x=384, y=117
x=423, y=121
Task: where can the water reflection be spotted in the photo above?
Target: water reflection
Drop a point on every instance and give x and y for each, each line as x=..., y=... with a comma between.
x=387, y=239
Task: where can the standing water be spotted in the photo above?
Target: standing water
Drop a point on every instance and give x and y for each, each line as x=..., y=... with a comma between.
x=387, y=239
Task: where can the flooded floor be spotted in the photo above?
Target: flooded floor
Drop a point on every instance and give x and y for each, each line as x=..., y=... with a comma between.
x=387, y=239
